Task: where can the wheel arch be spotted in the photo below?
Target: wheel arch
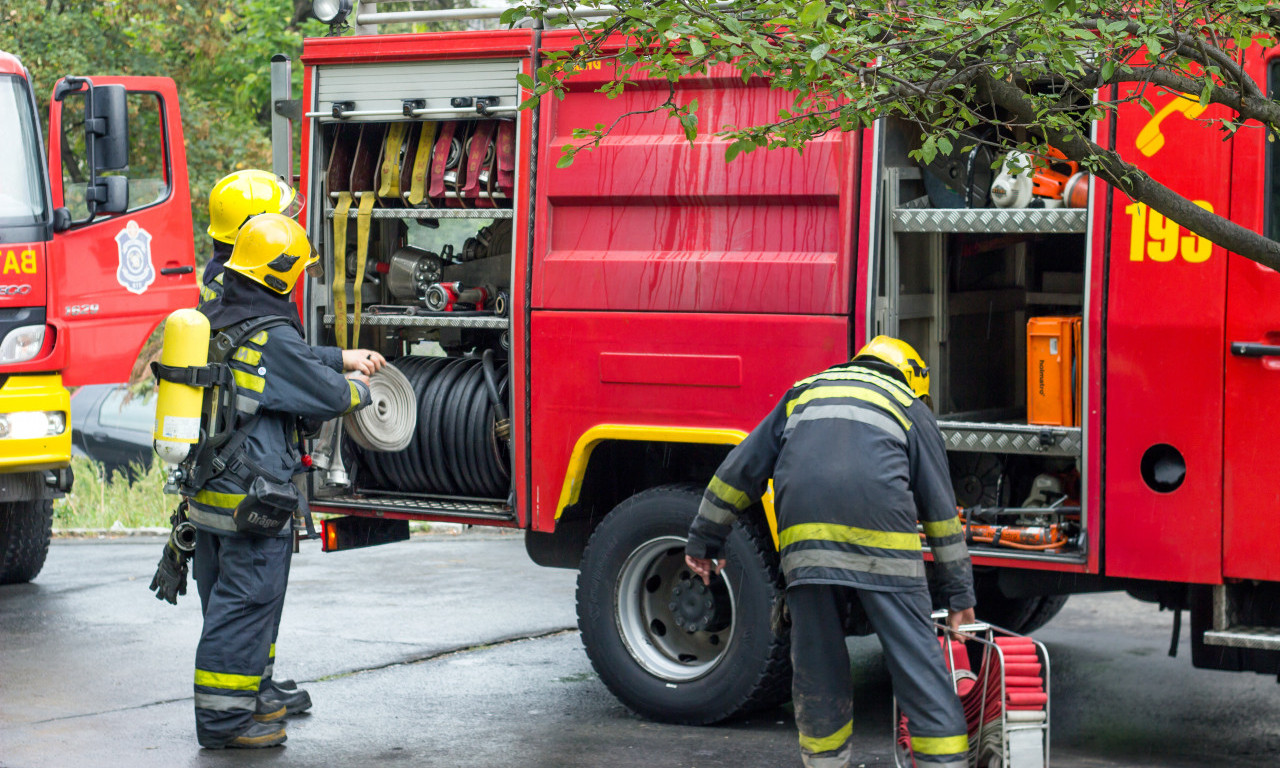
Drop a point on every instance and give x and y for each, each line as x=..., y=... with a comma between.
x=612, y=462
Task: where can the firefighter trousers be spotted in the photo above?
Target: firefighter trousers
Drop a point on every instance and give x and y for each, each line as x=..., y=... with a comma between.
x=241, y=580
x=822, y=684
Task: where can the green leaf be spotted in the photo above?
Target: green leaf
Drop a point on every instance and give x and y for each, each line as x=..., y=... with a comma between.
x=529, y=103
x=1108, y=69
x=813, y=12
x=696, y=47
x=1049, y=6
x=526, y=80
x=565, y=160
x=819, y=51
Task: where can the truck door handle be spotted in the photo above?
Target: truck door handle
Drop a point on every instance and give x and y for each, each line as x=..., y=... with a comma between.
x=177, y=270
x=1251, y=349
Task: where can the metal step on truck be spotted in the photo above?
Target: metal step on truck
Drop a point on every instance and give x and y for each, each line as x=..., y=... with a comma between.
x=584, y=344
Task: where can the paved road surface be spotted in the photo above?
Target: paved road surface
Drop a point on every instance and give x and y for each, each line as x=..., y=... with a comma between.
x=456, y=650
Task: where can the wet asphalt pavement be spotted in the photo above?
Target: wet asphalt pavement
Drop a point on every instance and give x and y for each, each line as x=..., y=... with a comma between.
x=456, y=650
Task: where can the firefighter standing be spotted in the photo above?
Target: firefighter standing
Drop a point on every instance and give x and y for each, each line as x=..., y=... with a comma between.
x=234, y=200
x=242, y=575
x=856, y=457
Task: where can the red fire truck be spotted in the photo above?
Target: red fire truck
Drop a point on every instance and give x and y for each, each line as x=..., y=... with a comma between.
x=95, y=250
x=585, y=344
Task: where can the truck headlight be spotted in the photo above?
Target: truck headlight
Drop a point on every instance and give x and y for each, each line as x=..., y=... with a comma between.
x=331, y=12
x=21, y=344
x=27, y=425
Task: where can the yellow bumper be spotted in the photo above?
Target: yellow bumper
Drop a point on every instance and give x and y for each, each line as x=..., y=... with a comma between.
x=34, y=394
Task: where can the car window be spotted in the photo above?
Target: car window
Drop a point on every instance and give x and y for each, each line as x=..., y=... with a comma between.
x=122, y=411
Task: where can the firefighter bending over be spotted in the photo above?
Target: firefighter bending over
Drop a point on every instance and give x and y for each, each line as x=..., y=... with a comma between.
x=855, y=456
x=243, y=512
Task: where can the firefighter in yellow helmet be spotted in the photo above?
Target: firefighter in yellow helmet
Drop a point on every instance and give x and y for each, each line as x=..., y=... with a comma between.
x=243, y=500
x=857, y=460
x=234, y=199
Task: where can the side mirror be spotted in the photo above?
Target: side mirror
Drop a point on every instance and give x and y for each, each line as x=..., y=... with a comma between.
x=110, y=194
x=106, y=148
x=110, y=129
x=61, y=219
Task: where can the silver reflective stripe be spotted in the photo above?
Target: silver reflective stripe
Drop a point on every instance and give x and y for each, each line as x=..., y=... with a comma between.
x=949, y=553
x=848, y=412
x=716, y=514
x=841, y=759
x=826, y=558
x=246, y=404
x=220, y=703
x=927, y=763
x=271, y=668
x=210, y=519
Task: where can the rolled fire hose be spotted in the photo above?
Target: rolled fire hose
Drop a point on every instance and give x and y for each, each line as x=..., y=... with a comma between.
x=391, y=419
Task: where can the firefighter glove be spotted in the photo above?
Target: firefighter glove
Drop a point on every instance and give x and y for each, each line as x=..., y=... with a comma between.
x=171, y=574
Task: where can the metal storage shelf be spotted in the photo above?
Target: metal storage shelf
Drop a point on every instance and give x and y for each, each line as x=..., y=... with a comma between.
x=990, y=220
x=374, y=501
x=440, y=320
x=1033, y=439
x=431, y=213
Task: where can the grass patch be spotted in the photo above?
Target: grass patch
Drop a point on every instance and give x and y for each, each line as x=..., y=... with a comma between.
x=101, y=502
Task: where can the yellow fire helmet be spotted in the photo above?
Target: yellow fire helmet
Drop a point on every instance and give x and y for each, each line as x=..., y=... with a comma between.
x=272, y=250
x=239, y=196
x=902, y=357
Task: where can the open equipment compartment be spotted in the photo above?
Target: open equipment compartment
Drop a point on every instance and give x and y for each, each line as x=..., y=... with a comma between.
x=968, y=287
x=413, y=171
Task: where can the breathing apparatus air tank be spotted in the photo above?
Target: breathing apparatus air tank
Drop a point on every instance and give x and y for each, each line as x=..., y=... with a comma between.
x=178, y=406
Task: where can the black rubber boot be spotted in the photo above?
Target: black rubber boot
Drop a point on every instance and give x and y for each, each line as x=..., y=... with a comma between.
x=258, y=736
x=274, y=695
x=269, y=710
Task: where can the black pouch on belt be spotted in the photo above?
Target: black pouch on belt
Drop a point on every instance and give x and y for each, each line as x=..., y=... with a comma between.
x=267, y=507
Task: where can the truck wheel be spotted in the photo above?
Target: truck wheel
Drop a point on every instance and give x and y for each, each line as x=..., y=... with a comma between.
x=1018, y=614
x=664, y=644
x=25, y=528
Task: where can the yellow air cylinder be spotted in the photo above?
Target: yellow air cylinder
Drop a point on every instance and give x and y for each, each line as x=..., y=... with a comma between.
x=178, y=406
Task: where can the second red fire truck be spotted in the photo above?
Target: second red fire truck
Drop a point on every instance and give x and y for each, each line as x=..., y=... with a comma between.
x=583, y=345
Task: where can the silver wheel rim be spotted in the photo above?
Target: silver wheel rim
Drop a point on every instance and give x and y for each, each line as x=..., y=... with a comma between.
x=646, y=623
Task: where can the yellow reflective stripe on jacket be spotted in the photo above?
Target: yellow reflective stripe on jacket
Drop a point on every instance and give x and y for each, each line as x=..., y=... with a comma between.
x=900, y=392
x=355, y=396
x=943, y=528
x=247, y=355
x=248, y=380
x=858, y=393
x=940, y=745
x=728, y=494
x=220, y=500
x=827, y=743
x=228, y=682
x=207, y=294
x=847, y=534
x=259, y=338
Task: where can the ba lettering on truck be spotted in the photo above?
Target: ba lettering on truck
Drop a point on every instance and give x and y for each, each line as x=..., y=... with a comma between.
x=95, y=250
x=583, y=345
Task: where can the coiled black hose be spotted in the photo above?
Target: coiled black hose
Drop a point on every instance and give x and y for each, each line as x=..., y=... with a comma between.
x=455, y=450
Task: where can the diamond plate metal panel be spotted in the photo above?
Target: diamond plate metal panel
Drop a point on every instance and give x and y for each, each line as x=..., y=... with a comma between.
x=438, y=506
x=1257, y=638
x=978, y=220
x=429, y=321
x=1012, y=438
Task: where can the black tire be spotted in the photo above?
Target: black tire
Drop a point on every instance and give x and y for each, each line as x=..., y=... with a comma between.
x=691, y=678
x=1018, y=614
x=25, y=529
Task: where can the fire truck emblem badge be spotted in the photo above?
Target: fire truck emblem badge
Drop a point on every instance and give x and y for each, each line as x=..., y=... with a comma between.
x=136, y=272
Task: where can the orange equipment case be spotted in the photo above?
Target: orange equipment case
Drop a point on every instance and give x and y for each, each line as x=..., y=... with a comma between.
x=1053, y=359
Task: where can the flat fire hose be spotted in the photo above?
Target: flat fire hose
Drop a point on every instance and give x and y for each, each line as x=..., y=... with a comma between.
x=392, y=148
x=362, y=255
x=340, y=212
x=421, y=164
x=1010, y=688
x=391, y=419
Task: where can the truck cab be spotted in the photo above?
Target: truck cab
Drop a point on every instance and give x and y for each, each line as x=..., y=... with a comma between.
x=95, y=249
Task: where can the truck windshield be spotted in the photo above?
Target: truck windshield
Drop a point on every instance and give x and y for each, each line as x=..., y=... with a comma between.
x=22, y=196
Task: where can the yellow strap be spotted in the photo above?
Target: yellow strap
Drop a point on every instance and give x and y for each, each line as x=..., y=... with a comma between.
x=422, y=163
x=219, y=500
x=848, y=534
x=340, y=267
x=227, y=682
x=362, y=255
x=391, y=160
